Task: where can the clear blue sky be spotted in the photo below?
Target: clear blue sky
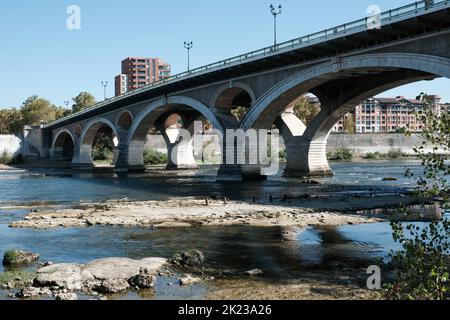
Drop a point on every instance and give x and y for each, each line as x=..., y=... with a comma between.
x=39, y=55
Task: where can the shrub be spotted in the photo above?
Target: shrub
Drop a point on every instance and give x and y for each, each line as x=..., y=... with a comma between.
x=395, y=154
x=103, y=154
x=373, y=156
x=341, y=154
x=5, y=158
x=153, y=157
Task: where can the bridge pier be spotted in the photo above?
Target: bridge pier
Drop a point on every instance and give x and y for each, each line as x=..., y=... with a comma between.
x=82, y=158
x=306, y=159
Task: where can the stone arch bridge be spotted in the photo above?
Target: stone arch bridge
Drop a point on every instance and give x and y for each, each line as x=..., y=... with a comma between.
x=342, y=66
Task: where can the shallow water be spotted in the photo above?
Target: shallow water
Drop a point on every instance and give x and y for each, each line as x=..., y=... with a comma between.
x=283, y=253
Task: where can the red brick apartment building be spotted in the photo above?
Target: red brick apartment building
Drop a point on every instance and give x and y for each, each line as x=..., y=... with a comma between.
x=138, y=72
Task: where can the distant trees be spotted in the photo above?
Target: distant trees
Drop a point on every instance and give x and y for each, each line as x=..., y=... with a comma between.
x=83, y=101
x=36, y=110
x=349, y=124
x=306, y=110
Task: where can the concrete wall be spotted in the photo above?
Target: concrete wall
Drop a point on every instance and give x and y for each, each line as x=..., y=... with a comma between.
x=361, y=144
x=10, y=143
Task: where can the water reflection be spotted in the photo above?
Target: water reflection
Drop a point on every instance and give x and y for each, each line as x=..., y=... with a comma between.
x=422, y=212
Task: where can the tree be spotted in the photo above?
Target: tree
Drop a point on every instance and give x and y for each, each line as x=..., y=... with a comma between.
x=306, y=110
x=349, y=124
x=36, y=110
x=422, y=266
x=11, y=121
x=83, y=101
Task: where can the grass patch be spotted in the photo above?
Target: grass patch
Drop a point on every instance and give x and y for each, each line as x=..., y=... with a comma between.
x=20, y=278
x=340, y=154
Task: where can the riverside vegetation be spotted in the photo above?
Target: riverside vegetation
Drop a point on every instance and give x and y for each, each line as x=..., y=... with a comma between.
x=421, y=268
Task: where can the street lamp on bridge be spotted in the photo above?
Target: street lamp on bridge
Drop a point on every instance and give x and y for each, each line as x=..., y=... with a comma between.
x=104, y=84
x=275, y=13
x=188, y=46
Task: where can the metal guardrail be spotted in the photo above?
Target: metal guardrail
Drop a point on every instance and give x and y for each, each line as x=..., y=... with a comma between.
x=387, y=16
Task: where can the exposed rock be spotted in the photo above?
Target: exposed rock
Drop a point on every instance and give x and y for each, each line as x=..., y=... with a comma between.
x=13, y=258
x=145, y=279
x=66, y=297
x=122, y=268
x=389, y=179
x=189, y=280
x=173, y=224
x=254, y=272
x=60, y=275
x=191, y=258
x=31, y=292
x=109, y=275
x=111, y=286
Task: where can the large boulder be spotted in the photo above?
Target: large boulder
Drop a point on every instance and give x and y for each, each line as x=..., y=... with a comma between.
x=122, y=268
x=14, y=258
x=64, y=275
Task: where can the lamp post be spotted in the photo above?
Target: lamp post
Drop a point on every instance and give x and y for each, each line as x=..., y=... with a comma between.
x=188, y=46
x=275, y=13
x=104, y=84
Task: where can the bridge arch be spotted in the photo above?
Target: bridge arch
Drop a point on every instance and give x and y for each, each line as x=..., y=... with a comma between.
x=63, y=145
x=226, y=94
x=156, y=110
x=306, y=155
x=87, y=139
x=124, y=120
x=268, y=106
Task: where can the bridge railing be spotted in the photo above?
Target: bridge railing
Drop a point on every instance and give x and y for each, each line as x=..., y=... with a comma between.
x=387, y=16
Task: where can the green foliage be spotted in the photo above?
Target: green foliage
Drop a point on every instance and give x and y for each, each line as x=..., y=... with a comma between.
x=20, y=277
x=393, y=154
x=340, y=154
x=152, y=157
x=422, y=266
x=239, y=113
x=305, y=110
x=349, y=125
x=283, y=155
x=83, y=101
x=374, y=156
x=33, y=111
x=11, y=121
x=5, y=157
x=10, y=256
x=103, y=148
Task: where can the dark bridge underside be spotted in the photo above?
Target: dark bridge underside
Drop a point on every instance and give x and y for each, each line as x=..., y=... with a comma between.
x=402, y=30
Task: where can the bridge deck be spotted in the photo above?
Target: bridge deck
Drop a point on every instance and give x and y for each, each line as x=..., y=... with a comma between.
x=401, y=23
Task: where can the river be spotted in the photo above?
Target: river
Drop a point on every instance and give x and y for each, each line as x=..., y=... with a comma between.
x=283, y=252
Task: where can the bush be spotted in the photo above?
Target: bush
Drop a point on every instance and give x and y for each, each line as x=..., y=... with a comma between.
x=5, y=158
x=153, y=157
x=395, y=154
x=422, y=267
x=341, y=154
x=103, y=154
x=373, y=156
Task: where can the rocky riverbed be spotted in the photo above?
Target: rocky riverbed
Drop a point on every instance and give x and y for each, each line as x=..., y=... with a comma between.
x=302, y=210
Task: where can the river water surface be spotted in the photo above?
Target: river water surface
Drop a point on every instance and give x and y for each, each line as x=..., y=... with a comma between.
x=282, y=253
